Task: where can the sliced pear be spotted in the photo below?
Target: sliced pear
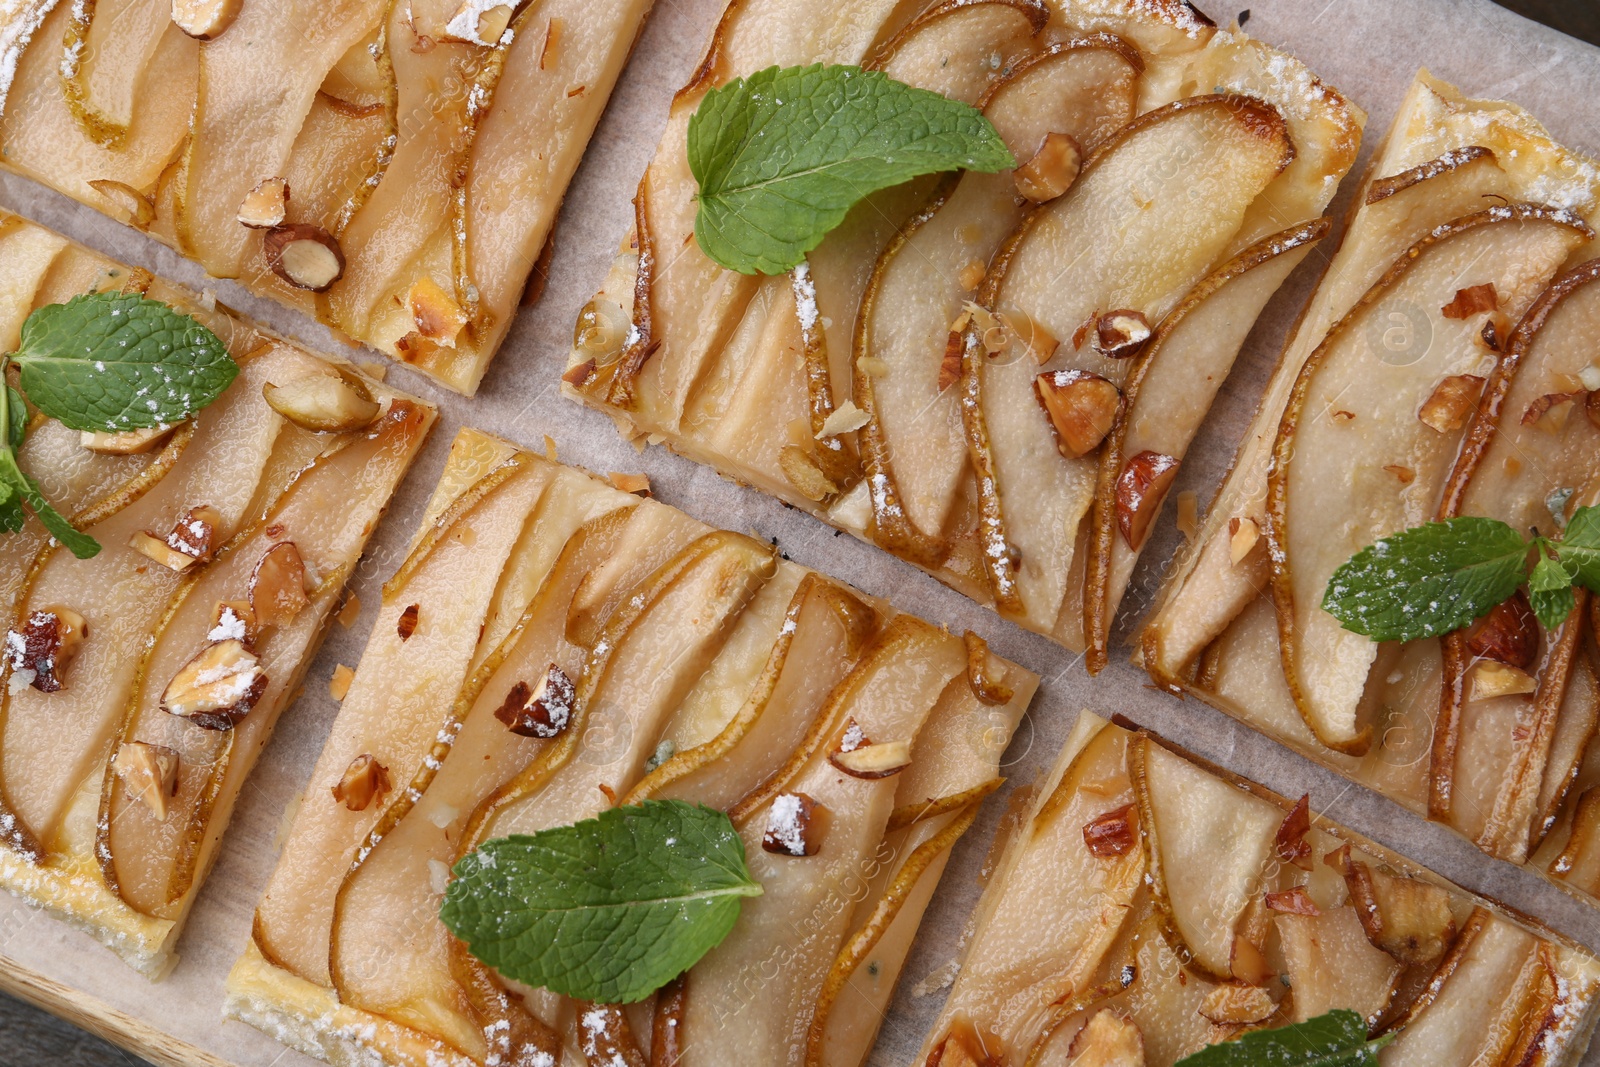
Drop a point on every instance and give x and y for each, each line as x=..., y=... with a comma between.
x=890, y=693
x=54, y=742
x=1082, y=89
x=326, y=514
x=1330, y=964
x=1408, y=918
x=645, y=547
x=1132, y=240
x=1165, y=999
x=1209, y=844
x=1178, y=376
x=1325, y=465
x=107, y=51
x=398, y=728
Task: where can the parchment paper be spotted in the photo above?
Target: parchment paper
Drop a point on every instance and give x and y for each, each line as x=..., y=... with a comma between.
x=1369, y=49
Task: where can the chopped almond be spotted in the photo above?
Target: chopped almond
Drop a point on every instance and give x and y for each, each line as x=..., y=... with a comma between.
x=1491, y=679
x=1108, y=1039
x=128, y=443
x=217, y=688
x=307, y=257
x=265, y=206
x=364, y=781
x=149, y=773
x=1052, y=170
x=278, y=585
x=437, y=315
x=406, y=625
x=1243, y=535
x=971, y=275
x=543, y=711
x=793, y=825
x=205, y=19
x=1111, y=834
x=339, y=684
x=1453, y=399
x=1294, y=901
x=233, y=620
x=1509, y=634
x=846, y=418
x=1291, y=845
x=1549, y=412
x=1141, y=488
x=871, y=761
x=580, y=374
x=1231, y=1004
x=40, y=652
x=323, y=403
x=1471, y=301
x=1248, y=963
x=800, y=467
x=1082, y=407
x=1120, y=334
x=950, y=365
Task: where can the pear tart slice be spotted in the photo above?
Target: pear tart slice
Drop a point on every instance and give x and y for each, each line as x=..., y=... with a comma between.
x=141, y=683
x=1439, y=371
x=1148, y=905
x=993, y=376
x=555, y=647
x=260, y=138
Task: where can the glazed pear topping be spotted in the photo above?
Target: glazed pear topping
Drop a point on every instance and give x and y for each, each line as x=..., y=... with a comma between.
x=542, y=712
x=364, y=781
x=129, y=443
x=149, y=773
x=39, y=653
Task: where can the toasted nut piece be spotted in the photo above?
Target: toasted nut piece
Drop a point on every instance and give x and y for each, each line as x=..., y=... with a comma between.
x=149, y=773
x=305, y=256
x=1491, y=679
x=364, y=781
x=39, y=653
x=406, y=625
x=1052, y=169
x=278, y=585
x=793, y=825
x=1452, y=401
x=1231, y=1004
x=1509, y=634
x=1549, y=412
x=1243, y=535
x=846, y=418
x=1408, y=919
x=1471, y=301
x=1107, y=1040
x=1111, y=834
x=193, y=539
x=478, y=22
x=128, y=443
x=205, y=19
x=1141, y=488
x=1248, y=963
x=232, y=620
x=1082, y=408
x=1294, y=901
x=638, y=484
x=323, y=403
x=437, y=315
x=544, y=712
x=873, y=760
x=216, y=688
x=130, y=202
x=1291, y=845
x=264, y=206
x=580, y=374
x=950, y=365
x=1493, y=333
x=1120, y=334
x=154, y=547
x=800, y=467
x=339, y=684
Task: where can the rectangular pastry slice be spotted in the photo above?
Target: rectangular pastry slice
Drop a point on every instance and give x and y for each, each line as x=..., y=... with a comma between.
x=225, y=544
x=1148, y=906
x=1432, y=376
x=393, y=169
x=554, y=648
x=994, y=376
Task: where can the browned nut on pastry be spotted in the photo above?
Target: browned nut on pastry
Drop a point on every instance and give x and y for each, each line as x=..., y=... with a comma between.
x=793, y=825
x=1120, y=334
x=364, y=781
x=278, y=585
x=1111, y=834
x=264, y=206
x=39, y=653
x=149, y=773
x=1081, y=406
x=217, y=688
x=305, y=256
x=1141, y=488
x=544, y=711
x=1453, y=399
x=323, y=403
x=205, y=19
x=1052, y=170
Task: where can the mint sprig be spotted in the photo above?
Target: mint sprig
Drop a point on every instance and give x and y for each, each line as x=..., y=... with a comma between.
x=104, y=362
x=1336, y=1039
x=783, y=155
x=1436, y=578
x=609, y=909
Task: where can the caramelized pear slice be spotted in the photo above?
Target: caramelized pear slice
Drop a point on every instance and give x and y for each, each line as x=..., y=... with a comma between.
x=1083, y=89
x=1330, y=964
x=53, y=742
x=326, y=513
x=398, y=728
x=890, y=693
x=1325, y=465
x=1209, y=843
x=1127, y=236
x=237, y=141
x=389, y=954
x=1408, y=918
x=107, y=50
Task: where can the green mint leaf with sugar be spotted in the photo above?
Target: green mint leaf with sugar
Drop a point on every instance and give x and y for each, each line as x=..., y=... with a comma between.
x=1336, y=1039
x=609, y=909
x=1550, y=589
x=116, y=361
x=1428, y=580
x=1580, y=547
x=12, y=516
x=79, y=544
x=16, y=418
x=783, y=155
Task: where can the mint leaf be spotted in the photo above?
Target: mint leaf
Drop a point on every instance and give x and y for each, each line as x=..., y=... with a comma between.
x=1337, y=1039
x=782, y=155
x=79, y=544
x=16, y=418
x=11, y=514
x=119, y=361
x=609, y=909
x=1550, y=590
x=1428, y=580
x=1580, y=547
